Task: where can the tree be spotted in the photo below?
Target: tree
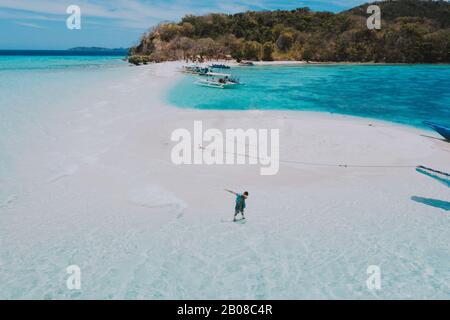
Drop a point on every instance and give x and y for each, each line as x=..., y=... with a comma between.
x=229, y=44
x=268, y=49
x=168, y=31
x=307, y=54
x=187, y=29
x=206, y=47
x=252, y=50
x=285, y=41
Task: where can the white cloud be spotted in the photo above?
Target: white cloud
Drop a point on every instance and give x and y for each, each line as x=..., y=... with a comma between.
x=140, y=14
x=113, y=9
x=30, y=25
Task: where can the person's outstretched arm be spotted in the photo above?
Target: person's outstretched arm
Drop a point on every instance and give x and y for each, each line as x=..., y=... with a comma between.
x=231, y=192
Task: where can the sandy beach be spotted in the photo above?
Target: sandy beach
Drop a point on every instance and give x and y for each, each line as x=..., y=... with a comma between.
x=104, y=194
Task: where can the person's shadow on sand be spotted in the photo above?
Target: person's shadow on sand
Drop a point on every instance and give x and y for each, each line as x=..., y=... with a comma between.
x=444, y=205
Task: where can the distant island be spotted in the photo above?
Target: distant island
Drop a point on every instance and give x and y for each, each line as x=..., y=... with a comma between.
x=99, y=49
x=412, y=31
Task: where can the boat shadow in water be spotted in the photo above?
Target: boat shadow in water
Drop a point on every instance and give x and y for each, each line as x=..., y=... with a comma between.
x=440, y=204
x=442, y=180
x=444, y=205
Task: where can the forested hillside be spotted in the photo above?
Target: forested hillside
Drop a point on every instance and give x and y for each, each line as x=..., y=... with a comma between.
x=412, y=31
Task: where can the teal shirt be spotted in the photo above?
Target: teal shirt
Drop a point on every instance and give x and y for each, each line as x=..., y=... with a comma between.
x=240, y=201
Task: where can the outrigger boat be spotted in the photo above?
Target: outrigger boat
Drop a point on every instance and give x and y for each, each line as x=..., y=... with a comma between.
x=195, y=69
x=441, y=129
x=218, y=80
x=246, y=64
x=220, y=66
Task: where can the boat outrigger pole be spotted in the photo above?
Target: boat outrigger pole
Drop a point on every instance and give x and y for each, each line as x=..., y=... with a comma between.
x=439, y=128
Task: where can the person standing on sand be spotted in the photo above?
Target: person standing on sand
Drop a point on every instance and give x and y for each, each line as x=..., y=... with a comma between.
x=240, y=203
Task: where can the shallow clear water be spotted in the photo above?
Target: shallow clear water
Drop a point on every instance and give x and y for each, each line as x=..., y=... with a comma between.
x=32, y=88
x=30, y=85
x=405, y=94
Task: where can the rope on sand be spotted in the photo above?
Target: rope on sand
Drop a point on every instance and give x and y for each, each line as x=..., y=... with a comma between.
x=319, y=164
x=350, y=165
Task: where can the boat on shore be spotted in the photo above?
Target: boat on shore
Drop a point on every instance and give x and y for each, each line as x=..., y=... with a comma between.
x=195, y=70
x=246, y=64
x=219, y=66
x=441, y=129
x=218, y=81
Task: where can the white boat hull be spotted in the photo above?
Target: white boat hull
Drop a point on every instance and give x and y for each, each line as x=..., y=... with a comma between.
x=217, y=85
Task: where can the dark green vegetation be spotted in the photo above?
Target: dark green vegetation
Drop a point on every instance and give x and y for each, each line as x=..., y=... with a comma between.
x=137, y=60
x=412, y=31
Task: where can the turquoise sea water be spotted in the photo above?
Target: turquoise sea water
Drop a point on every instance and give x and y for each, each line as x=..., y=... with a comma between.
x=406, y=94
x=52, y=63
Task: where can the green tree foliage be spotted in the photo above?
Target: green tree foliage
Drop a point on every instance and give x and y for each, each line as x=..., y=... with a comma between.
x=252, y=50
x=285, y=41
x=413, y=31
x=268, y=49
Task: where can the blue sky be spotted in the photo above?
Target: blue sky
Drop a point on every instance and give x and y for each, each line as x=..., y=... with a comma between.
x=41, y=24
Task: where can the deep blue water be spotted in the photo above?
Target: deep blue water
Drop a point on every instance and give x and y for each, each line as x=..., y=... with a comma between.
x=63, y=53
x=50, y=63
x=406, y=94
